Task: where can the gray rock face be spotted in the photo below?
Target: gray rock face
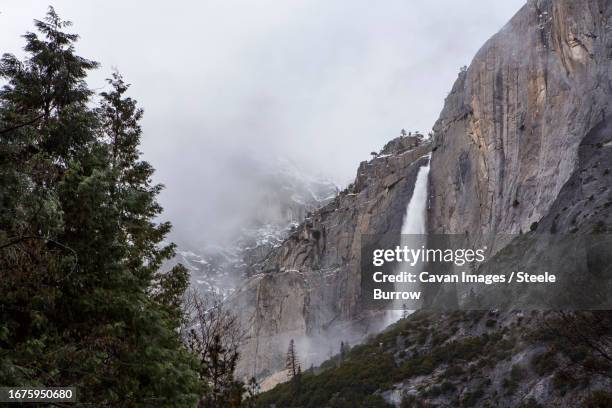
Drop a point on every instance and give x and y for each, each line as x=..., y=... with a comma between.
x=309, y=287
x=509, y=138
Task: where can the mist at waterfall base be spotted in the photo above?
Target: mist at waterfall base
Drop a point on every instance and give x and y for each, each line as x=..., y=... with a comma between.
x=413, y=228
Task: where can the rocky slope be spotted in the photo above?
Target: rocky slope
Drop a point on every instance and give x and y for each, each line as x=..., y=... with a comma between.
x=308, y=288
x=459, y=359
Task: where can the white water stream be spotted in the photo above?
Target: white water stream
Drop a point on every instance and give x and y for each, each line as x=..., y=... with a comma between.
x=413, y=229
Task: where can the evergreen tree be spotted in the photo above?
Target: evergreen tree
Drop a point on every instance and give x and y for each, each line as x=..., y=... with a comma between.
x=292, y=363
x=405, y=311
x=344, y=349
x=294, y=370
x=81, y=300
x=297, y=380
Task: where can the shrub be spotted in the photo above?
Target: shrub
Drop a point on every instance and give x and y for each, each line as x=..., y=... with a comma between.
x=471, y=398
x=409, y=401
x=447, y=387
x=563, y=381
x=544, y=363
x=599, y=399
x=453, y=371
x=530, y=403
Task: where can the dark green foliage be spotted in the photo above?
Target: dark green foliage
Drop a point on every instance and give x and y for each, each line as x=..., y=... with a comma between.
x=466, y=349
x=581, y=337
x=599, y=399
x=446, y=387
x=544, y=363
x=456, y=370
x=412, y=401
x=366, y=369
x=369, y=368
x=81, y=300
x=437, y=390
x=530, y=403
x=563, y=381
x=453, y=371
x=471, y=398
x=511, y=382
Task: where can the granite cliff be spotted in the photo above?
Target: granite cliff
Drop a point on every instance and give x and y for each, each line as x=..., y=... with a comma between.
x=512, y=130
x=308, y=288
x=523, y=143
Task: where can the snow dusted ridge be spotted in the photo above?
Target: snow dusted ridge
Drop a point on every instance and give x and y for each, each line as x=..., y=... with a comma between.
x=286, y=196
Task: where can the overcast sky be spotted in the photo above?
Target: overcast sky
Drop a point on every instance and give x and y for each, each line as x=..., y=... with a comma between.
x=320, y=82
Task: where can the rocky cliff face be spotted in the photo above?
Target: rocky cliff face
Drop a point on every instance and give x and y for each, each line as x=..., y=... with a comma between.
x=308, y=288
x=524, y=146
x=509, y=138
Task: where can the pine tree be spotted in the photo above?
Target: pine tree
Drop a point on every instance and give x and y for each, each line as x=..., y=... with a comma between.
x=344, y=349
x=405, y=311
x=297, y=380
x=81, y=300
x=292, y=363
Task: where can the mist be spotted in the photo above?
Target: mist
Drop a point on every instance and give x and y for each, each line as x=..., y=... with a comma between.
x=228, y=85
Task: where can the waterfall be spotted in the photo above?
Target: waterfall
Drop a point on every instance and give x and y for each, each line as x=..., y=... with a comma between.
x=414, y=219
x=413, y=228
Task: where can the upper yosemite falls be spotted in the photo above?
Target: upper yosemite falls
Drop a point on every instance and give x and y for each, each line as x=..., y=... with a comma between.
x=306, y=204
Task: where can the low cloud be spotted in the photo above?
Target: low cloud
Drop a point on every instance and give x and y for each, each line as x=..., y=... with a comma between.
x=320, y=83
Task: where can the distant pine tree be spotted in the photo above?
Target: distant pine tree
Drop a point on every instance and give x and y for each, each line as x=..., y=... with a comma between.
x=344, y=349
x=405, y=312
x=292, y=363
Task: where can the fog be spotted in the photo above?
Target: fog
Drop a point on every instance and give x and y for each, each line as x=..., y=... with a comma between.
x=321, y=83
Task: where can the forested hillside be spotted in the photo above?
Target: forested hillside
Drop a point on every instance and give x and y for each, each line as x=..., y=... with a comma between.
x=464, y=359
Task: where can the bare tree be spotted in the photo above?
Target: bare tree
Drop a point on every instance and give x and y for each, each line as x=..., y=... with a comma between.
x=591, y=330
x=213, y=334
